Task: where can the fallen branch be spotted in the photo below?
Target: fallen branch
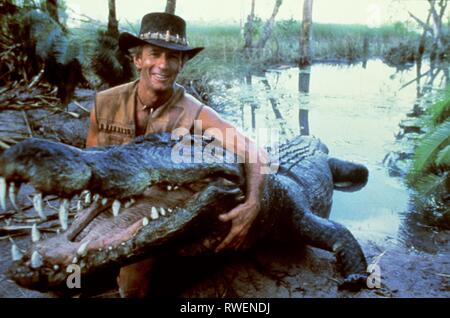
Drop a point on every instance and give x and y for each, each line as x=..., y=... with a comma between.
x=37, y=78
x=81, y=107
x=415, y=79
x=27, y=123
x=443, y=275
x=422, y=24
x=4, y=145
x=75, y=115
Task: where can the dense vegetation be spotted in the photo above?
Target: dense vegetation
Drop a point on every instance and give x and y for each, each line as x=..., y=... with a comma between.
x=331, y=43
x=429, y=174
x=91, y=46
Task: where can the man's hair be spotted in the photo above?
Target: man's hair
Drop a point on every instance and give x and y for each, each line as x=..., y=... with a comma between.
x=136, y=51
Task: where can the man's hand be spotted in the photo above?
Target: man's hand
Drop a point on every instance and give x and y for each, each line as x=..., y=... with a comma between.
x=242, y=218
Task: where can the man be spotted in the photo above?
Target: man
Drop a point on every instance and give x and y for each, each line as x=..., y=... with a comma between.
x=155, y=103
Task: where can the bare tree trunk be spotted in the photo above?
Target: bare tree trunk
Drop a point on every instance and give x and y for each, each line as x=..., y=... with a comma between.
x=248, y=28
x=306, y=34
x=170, y=6
x=113, y=25
x=435, y=30
x=52, y=8
x=438, y=46
x=268, y=27
x=304, y=76
x=421, y=48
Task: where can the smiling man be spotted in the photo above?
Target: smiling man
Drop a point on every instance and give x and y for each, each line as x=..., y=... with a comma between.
x=156, y=103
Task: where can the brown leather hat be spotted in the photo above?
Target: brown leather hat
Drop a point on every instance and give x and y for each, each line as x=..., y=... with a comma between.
x=160, y=29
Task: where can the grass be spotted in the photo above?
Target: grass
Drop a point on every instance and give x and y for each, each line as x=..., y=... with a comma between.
x=330, y=41
x=225, y=59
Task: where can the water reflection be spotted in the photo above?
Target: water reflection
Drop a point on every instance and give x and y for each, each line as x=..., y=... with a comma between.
x=303, y=87
x=355, y=110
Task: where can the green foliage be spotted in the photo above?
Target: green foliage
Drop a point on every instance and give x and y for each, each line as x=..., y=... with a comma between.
x=443, y=157
x=400, y=54
x=109, y=63
x=429, y=174
x=440, y=111
x=67, y=50
x=46, y=40
x=224, y=57
x=431, y=144
x=32, y=41
x=331, y=42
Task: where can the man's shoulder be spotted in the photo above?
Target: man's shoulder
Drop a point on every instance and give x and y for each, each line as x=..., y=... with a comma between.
x=189, y=102
x=118, y=90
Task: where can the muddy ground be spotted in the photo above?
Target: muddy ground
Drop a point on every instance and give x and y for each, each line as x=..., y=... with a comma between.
x=409, y=268
x=273, y=271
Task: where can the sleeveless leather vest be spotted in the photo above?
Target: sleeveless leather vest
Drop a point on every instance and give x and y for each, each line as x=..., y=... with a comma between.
x=116, y=113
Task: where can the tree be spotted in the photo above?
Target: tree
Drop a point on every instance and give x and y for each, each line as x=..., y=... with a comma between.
x=268, y=27
x=436, y=11
x=438, y=43
x=248, y=29
x=170, y=6
x=109, y=63
x=306, y=34
x=113, y=26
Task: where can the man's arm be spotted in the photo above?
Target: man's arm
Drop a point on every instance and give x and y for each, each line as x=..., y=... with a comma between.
x=243, y=215
x=92, y=137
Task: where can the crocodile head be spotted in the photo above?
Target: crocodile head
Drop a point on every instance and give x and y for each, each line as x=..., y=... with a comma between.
x=148, y=195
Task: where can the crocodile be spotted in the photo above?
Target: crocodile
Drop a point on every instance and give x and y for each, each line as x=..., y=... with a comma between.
x=154, y=194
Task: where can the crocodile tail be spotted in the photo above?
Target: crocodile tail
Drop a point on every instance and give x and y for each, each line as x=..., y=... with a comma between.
x=348, y=176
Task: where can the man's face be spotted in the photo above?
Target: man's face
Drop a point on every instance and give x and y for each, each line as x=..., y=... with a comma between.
x=158, y=67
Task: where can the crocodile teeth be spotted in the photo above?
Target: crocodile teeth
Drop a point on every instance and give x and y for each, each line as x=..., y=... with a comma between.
x=169, y=210
x=79, y=205
x=116, y=207
x=15, y=252
x=169, y=187
x=36, y=260
x=154, y=213
x=55, y=267
x=96, y=197
x=64, y=214
x=87, y=198
x=82, y=250
x=337, y=246
x=175, y=187
x=145, y=221
x=35, y=234
x=162, y=211
x=104, y=201
x=12, y=195
x=37, y=204
x=3, y=193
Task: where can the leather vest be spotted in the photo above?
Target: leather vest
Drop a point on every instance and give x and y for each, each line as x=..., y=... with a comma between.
x=116, y=113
